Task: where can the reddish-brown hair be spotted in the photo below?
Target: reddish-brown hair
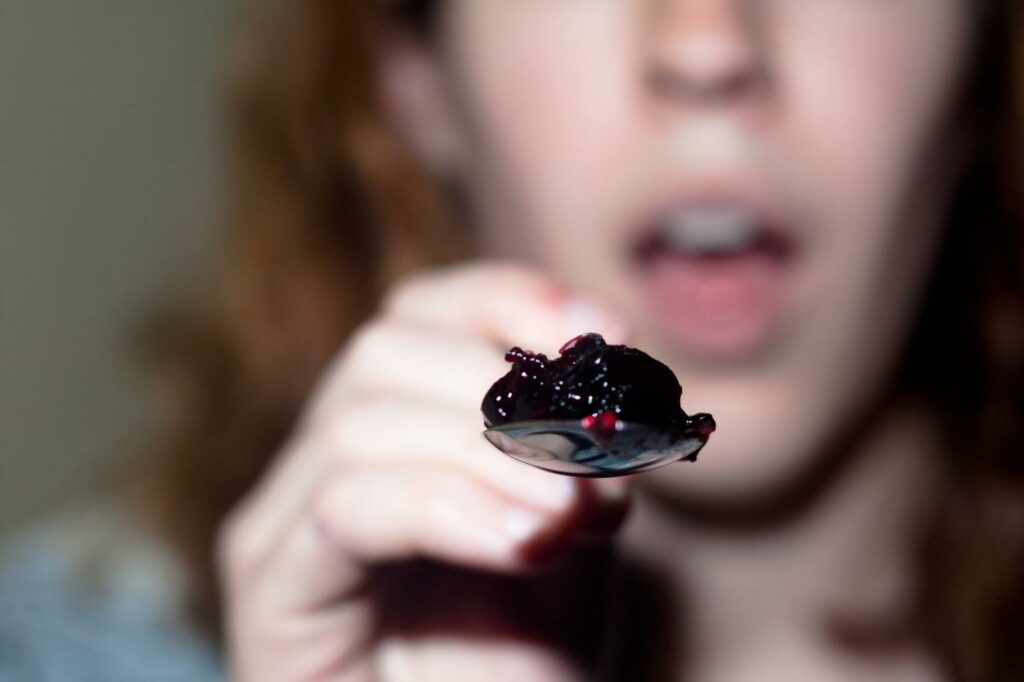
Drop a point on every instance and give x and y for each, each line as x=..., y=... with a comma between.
x=328, y=210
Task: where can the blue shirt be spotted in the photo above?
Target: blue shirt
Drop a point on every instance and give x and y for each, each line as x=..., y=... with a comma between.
x=91, y=598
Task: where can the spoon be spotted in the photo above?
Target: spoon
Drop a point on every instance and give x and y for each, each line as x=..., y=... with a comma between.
x=574, y=447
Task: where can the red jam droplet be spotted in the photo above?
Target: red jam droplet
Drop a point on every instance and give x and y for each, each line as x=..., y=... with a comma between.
x=604, y=425
x=568, y=345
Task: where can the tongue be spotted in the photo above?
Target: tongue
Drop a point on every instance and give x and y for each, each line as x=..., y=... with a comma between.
x=718, y=303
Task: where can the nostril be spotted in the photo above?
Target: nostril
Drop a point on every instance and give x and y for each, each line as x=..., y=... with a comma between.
x=706, y=50
x=667, y=83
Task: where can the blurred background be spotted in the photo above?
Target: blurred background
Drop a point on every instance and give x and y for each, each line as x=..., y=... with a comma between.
x=109, y=171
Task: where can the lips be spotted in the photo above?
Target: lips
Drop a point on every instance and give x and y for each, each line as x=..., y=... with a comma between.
x=714, y=273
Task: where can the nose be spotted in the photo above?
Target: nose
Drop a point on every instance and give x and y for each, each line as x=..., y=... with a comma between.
x=705, y=52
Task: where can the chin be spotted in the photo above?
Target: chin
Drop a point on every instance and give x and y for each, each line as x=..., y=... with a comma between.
x=765, y=451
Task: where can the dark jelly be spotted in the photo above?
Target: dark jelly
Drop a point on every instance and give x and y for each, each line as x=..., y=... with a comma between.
x=591, y=381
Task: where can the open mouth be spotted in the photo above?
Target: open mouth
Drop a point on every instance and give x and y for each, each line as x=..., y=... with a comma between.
x=714, y=274
x=714, y=232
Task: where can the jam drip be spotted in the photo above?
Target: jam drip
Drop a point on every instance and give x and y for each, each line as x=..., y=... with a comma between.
x=601, y=385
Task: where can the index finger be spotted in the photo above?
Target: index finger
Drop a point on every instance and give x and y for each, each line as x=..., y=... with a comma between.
x=506, y=303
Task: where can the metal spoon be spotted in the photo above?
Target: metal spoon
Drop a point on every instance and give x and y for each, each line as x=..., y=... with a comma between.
x=569, y=447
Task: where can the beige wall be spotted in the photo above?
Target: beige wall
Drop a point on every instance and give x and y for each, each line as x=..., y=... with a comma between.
x=108, y=150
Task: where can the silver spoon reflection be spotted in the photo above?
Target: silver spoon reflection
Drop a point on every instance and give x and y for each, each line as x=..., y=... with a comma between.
x=575, y=448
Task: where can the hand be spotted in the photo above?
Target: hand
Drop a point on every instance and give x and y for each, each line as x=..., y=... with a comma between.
x=389, y=541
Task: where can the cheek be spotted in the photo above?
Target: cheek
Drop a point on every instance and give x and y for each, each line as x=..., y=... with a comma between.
x=548, y=88
x=869, y=87
x=864, y=88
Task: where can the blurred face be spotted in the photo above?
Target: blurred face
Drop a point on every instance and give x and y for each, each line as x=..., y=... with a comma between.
x=756, y=185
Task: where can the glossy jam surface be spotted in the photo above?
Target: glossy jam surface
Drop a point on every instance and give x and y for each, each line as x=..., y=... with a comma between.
x=598, y=383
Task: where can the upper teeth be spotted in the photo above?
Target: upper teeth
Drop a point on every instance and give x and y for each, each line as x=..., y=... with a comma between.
x=711, y=230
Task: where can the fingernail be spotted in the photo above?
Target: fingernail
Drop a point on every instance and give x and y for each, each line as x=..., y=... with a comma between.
x=584, y=317
x=521, y=525
x=394, y=660
x=612, y=490
x=559, y=491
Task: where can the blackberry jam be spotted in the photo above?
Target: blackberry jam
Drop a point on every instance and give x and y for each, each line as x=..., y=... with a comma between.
x=602, y=385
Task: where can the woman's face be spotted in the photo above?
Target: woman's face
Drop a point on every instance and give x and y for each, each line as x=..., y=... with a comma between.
x=757, y=185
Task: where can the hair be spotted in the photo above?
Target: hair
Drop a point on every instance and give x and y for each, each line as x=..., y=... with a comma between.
x=328, y=210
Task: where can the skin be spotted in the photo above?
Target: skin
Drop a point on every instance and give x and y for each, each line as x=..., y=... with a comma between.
x=839, y=111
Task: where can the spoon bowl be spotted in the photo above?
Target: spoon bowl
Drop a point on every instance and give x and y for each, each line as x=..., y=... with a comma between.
x=569, y=447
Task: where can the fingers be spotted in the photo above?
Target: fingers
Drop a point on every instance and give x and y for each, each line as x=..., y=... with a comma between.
x=390, y=357
x=381, y=513
x=508, y=304
x=388, y=463
x=430, y=512
x=429, y=350
x=363, y=516
x=413, y=356
x=392, y=479
x=443, y=335
x=392, y=431
x=407, y=432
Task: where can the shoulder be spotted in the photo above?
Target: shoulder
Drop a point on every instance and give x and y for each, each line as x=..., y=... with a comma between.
x=92, y=597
